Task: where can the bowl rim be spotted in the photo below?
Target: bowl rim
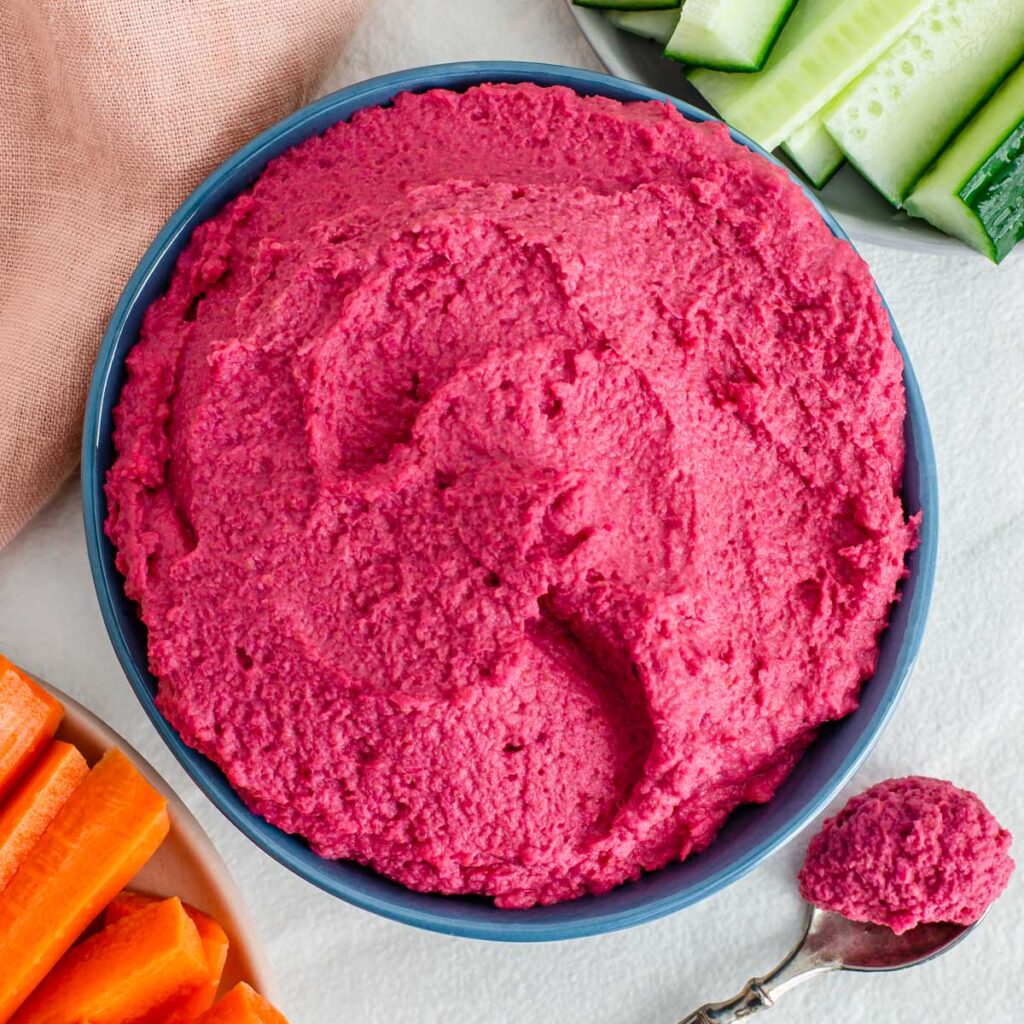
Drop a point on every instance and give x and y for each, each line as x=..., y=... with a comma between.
x=229, y=179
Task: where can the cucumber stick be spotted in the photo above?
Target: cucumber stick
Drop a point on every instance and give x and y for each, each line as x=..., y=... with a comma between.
x=656, y=25
x=904, y=110
x=823, y=47
x=975, y=190
x=811, y=148
x=628, y=5
x=732, y=35
x=722, y=90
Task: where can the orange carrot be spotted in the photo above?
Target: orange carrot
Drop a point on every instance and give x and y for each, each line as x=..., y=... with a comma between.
x=184, y=1006
x=242, y=1006
x=110, y=826
x=35, y=803
x=121, y=972
x=128, y=902
x=29, y=717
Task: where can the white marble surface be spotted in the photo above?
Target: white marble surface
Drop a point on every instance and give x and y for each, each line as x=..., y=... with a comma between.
x=962, y=718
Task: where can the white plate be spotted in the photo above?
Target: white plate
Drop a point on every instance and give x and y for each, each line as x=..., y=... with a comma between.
x=186, y=864
x=861, y=211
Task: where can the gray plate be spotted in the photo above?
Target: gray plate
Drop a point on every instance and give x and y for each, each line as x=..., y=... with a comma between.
x=861, y=211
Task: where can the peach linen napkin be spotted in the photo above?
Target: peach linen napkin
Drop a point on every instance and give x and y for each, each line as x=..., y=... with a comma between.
x=110, y=112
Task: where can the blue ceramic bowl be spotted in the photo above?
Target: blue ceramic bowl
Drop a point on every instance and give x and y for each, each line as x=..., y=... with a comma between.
x=751, y=835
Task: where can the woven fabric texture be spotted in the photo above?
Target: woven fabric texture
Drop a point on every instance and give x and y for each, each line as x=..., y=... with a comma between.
x=110, y=112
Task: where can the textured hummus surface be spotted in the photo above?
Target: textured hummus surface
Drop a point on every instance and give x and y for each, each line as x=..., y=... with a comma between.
x=509, y=484
x=907, y=852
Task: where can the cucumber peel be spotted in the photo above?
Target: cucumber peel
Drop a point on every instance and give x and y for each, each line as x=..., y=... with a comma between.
x=975, y=190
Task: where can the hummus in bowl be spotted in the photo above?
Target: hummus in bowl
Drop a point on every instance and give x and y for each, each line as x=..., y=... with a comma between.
x=511, y=481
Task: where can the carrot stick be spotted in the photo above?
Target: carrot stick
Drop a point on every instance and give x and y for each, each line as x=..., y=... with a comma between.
x=128, y=902
x=121, y=972
x=242, y=1006
x=35, y=803
x=29, y=717
x=110, y=826
x=185, y=1006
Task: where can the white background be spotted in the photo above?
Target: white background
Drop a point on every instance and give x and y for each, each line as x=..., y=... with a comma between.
x=962, y=718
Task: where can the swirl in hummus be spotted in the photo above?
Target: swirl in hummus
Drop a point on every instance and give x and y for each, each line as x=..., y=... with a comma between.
x=508, y=481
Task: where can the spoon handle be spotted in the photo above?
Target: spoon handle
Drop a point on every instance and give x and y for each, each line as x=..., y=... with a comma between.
x=749, y=1001
x=804, y=961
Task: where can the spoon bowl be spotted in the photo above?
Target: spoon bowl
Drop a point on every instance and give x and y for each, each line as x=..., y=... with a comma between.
x=873, y=947
x=831, y=942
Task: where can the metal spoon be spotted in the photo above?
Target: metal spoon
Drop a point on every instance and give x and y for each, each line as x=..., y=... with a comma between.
x=833, y=943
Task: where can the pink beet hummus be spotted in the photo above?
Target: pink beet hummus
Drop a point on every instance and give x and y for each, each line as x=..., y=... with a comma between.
x=509, y=484
x=908, y=852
